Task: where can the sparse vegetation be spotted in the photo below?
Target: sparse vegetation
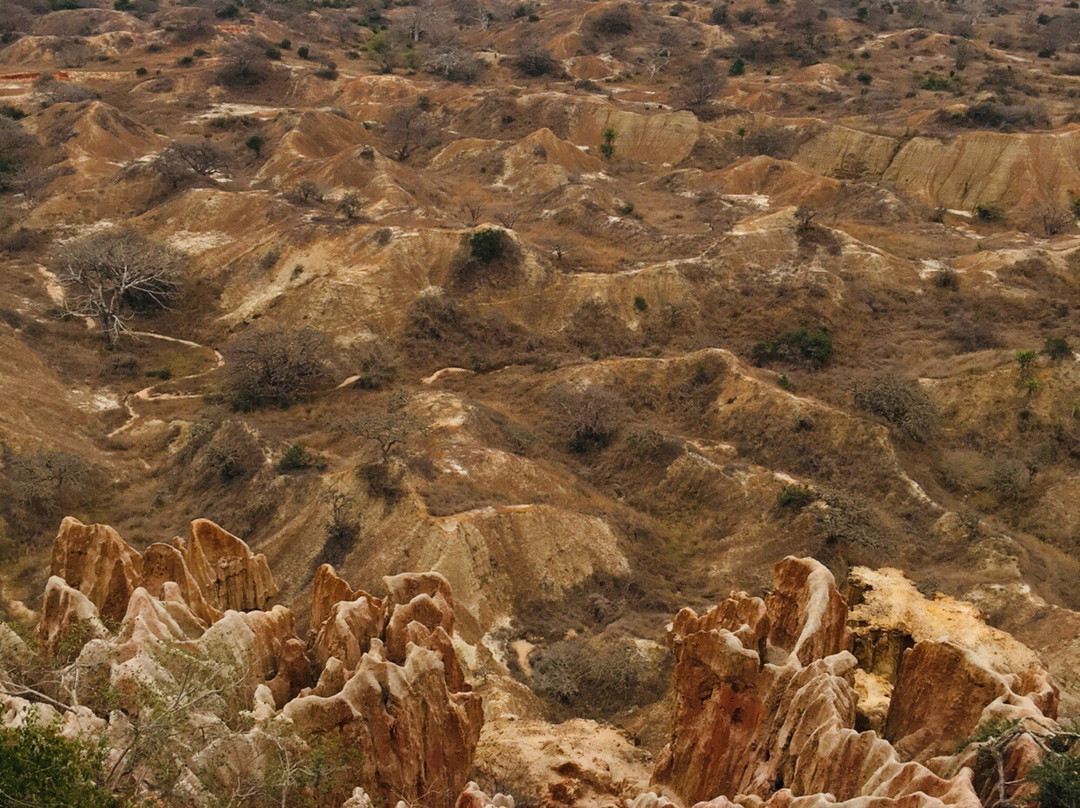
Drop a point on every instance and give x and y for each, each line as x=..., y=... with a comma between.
x=589, y=417
x=899, y=401
x=115, y=275
x=275, y=366
x=812, y=347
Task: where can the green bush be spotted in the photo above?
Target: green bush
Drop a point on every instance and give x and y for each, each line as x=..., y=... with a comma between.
x=810, y=346
x=737, y=68
x=1058, y=779
x=1057, y=348
x=41, y=768
x=297, y=458
x=989, y=212
x=607, y=147
x=794, y=497
x=486, y=245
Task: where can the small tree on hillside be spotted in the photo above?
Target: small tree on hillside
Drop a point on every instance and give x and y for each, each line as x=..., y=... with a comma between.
x=699, y=87
x=113, y=276
x=407, y=129
x=180, y=161
x=391, y=427
x=607, y=143
x=274, y=366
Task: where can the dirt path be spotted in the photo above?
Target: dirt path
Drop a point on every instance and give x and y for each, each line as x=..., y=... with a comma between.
x=148, y=394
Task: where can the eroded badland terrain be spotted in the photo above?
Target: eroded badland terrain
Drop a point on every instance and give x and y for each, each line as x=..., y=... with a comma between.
x=607, y=403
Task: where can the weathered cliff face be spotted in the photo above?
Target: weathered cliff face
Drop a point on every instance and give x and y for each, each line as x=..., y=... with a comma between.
x=766, y=700
x=378, y=677
x=404, y=702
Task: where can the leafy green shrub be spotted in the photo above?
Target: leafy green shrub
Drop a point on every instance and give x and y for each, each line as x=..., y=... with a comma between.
x=607, y=145
x=899, y=401
x=989, y=212
x=297, y=458
x=640, y=303
x=1057, y=348
x=942, y=84
x=813, y=347
x=737, y=68
x=486, y=245
x=1058, y=779
x=794, y=497
x=41, y=768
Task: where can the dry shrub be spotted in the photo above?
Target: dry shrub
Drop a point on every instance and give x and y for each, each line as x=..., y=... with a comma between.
x=440, y=332
x=899, y=401
x=275, y=367
x=38, y=488
x=596, y=330
x=587, y=417
x=226, y=452
x=597, y=677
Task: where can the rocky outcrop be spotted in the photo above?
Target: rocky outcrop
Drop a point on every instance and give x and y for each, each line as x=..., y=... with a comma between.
x=404, y=702
x=947, y=670
x=96, y=561
x=765, y=702
x=229, y=574
x=382, y=683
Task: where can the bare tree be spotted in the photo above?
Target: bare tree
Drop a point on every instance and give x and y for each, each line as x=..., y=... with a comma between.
x=473, y=213
x=180, y=161
x=406, y=130
x=112, y=276
x=1054, y=219
x=275, y=365
x=700, y=86
x=418, y=20
x=656, y=60
x=508, y=217
x=308, y=191
x=452, y=62
x=391, y=427
x=472, y=12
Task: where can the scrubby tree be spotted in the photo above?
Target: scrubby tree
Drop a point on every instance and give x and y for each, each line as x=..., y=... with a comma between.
x=350, y=205
x=589, y=417
x=114, y=275
x=702, y=83
x=275, y=365
x=245, y=64
x=899, y=401
x=406, y=130
x=391, y=427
